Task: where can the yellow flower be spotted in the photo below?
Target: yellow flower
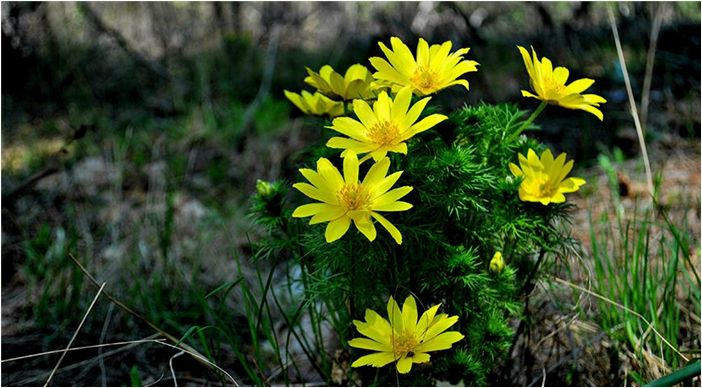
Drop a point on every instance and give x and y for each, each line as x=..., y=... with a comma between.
x=545, y=178
x=433, y=70
x=403, y=339
x=385, y=128
x=550, y=85
x=345, y=199
x=315, y=104
x=497, y=264
x=356, y=83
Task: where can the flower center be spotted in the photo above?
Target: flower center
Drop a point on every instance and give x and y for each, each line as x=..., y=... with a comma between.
x=544, y=188
x=353, y=196
x=404, y=343
x=553, y=89
x=384, y=132
x=424, y=79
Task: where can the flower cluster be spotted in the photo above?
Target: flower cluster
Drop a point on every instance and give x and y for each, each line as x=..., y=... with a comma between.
x=378, y=113
x=384, y=123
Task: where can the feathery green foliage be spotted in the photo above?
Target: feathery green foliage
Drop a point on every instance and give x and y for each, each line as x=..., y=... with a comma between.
x=465, y=208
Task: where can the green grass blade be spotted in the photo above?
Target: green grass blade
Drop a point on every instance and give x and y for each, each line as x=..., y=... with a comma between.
x=680, y=375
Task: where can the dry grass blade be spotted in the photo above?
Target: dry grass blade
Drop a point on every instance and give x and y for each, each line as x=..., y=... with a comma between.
x=632, y=102
x=203, y=359
x=149, y=340
x=127, y=345
x=181, y=346
x=103, y=372
x=75, y=334
x=170, y=365
x=650, y=56
x=662, y=338
x=159, y=341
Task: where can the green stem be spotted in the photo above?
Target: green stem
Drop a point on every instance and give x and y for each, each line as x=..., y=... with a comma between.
x=530, y=120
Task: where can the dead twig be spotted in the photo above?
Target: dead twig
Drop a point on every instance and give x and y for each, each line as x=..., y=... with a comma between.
x=75, y=334
x=632, y=102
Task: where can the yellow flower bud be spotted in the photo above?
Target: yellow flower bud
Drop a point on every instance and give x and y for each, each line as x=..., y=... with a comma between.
x=264, y=188
x=497, y=264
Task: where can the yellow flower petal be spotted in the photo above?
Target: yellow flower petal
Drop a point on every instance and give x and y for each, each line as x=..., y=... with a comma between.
x=439, y=325
x=330, y=213
x=579, y=86
x=387, y=72
x=337, y=228
x=392, y=196
x=420, y=358
x=398, y=148
x=344, y=199
x=365, y=226
x=544, y=178
x=414, y=112
x=350, y=144
x=549, y=85
x=313, y=192
x=404, y=365
x=383, y=128
x=382, y=106
x=434, y=69
x=317, y=180
x=394, y=232
x=310, y=209
x=365, y=343
x=426, y=319
x=315, y=104
x=440, y=342
x=409, y=314
x=384, y=185
x=403, y=54
x=350, y=128
x=374, y=331
x=330, y=173
x=427, y=123
x=405, y=341
x=515, y=170
x=356, y=83
x=380, y=327
x=375, y=359
x=395, y=315
x=377, y=172
x=423, y=53
x=364, y=113
x=351, y=168
x=396, y=206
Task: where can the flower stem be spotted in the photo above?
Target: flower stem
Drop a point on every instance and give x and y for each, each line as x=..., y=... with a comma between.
x=530, y=120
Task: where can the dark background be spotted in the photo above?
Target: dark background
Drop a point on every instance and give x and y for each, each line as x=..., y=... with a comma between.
x=133, y=134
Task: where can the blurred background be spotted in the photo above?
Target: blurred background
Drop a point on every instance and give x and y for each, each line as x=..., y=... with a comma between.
x=133, y=135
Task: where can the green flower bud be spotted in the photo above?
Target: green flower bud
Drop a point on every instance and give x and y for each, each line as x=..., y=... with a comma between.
x=264, y=189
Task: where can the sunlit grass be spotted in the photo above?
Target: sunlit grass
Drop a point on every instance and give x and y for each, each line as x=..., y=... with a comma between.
x=642, y=260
